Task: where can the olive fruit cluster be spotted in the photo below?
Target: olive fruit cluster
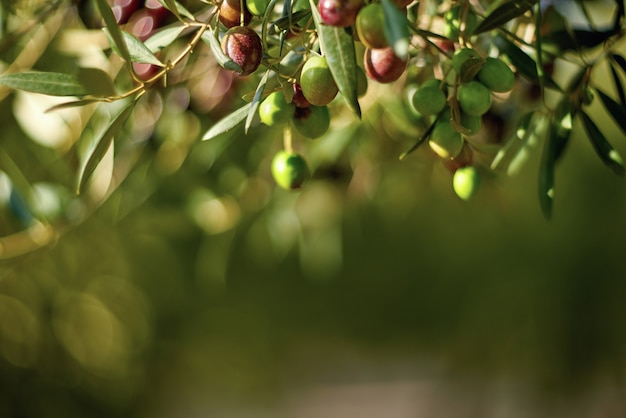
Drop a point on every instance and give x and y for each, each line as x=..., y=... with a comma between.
x=289, y=169
x=380, y=60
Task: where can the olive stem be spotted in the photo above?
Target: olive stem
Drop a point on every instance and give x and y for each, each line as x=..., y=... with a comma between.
x=287, y=139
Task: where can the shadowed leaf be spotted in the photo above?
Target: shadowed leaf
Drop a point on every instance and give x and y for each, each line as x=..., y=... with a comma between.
x=617, y=111
x=603, y=148
x=396, y=29
x=503, y=14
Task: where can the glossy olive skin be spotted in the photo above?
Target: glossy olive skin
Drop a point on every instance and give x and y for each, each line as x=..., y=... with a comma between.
x=243, y=46
x=317, y=82
x=466, y=182
x=474, y=98
x=496, y=75
x=341, y=13
x=383, y=65
x=370, y=26
x=289, y=170
x=275, y=109
x=230, y=14
x=312, y=122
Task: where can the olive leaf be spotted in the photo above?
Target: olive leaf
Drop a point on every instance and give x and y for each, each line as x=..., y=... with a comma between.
x=396, y=29
x=523, y=62
x=50, y=83
x=104, y=142
x=420, y=140
x=256, y=100
x=284, y=22
x=115, y=32
x=97, y=82
x=504, y=13
x=221, y=58
x=137, y=50
x=163, y=37
x=228, y=122
x=177, y=9
x=546, y=172
x=604, y=149
x=338, y=47
x=617, y=111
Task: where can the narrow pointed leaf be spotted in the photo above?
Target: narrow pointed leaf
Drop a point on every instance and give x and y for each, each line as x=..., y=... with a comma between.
x=283, y=23
x=163, y=38
x=603, y=148
x=620, y=61
x=76, y=103
x=419, y=141
x=177, y=9
x=52, y=84
x=504, y=13
x=221, y=58
x=256, y=100
x=522, y=61
x=97, y=82
x=228, y=123
x=618, y=83
x=617, y=111
x=563, y=122
x=546, y=173
x=338, y=47
x=115, y=126
x=138, y=51
x=396, y=29
x=114, y=31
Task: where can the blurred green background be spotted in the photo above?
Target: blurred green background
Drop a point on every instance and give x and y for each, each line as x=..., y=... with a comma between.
x=198, y=289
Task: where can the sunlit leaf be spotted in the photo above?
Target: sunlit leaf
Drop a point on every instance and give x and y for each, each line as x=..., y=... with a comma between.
x=97, y=82
x=338, y=47
x=163, y=38
x=104, y=142
x=221, y=58
x=138, y=51
x=603, y=148
x=504, y=13
x=256, y=100
x=177, y=9
x=617, y=111
x=228, y=122
x=396, y=29
x=114, y=31
x=563, y=123
x=520, y=134
x=53, y=84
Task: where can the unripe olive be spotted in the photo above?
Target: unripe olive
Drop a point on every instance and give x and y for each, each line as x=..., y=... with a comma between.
x=466, y=182
x=243, y=46
x=474, y=98
x=429, y=99
x=370, y=26
x=471, y=123
x=462, y=55
x=383, y=65
x=445, y=140
x=289, y=170
x=257, y=7
x=274, y=109
x=496, y=75
x=317, y=82
x=312, y=122
x=340, y=13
